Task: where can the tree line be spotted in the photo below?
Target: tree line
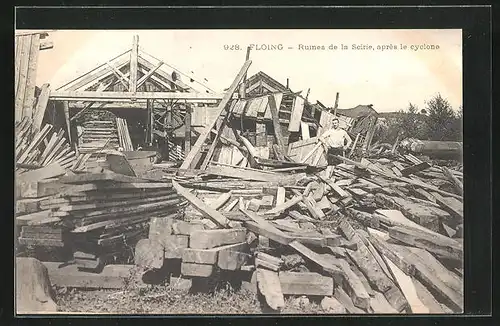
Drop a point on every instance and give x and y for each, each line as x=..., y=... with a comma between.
x=437, y=121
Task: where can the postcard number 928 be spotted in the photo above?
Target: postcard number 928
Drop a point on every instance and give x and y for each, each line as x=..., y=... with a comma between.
x=232, y=47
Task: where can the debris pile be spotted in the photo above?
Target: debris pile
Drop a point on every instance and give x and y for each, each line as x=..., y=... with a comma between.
x=377, y=234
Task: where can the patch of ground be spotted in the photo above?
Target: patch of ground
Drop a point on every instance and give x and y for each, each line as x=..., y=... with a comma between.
x=164, y=299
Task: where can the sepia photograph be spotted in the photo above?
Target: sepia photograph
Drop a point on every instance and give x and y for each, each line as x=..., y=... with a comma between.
x=239, y=171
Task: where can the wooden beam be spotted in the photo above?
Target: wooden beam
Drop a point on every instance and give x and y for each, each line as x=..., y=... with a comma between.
x=273, y=106
x=187, y=126
x=149, y=74
x=133, y=64
x=121, y=77
x=129, y=96
x=41, y=106
x=95, y=74
x=206, y=210
x=189, y=160
x=66, y=117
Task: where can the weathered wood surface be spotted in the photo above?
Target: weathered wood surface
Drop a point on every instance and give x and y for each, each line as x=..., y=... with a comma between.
x=305, y=284
x=206, y=210
x=189, y=159
x=213, y=238
x=438, y=244
x=407, y=287
x=111, y=277
x=269, y=286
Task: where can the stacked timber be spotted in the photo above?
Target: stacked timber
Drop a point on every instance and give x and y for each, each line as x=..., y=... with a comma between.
x=38, y=149
x=106, y=213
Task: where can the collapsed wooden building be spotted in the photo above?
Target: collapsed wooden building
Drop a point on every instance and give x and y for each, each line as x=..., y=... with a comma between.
x=132, y=102
x=250, y=193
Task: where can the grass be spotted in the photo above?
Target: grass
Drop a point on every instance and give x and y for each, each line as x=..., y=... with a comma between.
x=166, y=299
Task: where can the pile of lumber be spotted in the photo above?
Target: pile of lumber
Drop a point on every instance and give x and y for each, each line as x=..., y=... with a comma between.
x=38, y=149
x=377, y=236
x=102, y=214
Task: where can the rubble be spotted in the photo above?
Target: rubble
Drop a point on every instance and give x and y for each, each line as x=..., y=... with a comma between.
x=376, y=233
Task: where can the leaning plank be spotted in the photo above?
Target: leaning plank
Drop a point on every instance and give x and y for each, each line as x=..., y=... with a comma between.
x=29, y=96
x=431, y=273
x=25, y=45
x=203, y=208
x=428, y=299
x=406, y=285
x=327, y=265
x=296, y=118
x=189, y=160
x=263, y=227
x=111, y=277
x=41, y=106
x=269, y=286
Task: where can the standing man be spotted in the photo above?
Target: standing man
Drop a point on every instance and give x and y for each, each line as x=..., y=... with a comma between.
x=335, y=142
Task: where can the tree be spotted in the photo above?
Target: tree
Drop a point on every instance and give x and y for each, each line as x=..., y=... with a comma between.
x=411, y=124
x=441, y=120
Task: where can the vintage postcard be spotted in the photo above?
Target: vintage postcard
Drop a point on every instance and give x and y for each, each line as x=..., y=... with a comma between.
x=239, y=171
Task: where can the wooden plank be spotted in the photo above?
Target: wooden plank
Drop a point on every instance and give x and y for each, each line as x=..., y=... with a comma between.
x=283, y=207
x=18, y=47
x=273, y=107
x=189, y=160
x=406, y=285
x=269, y=286
x=23, y=76
x=206, y=239
x=428, y=299
x=203, y=208
x=326, y=265
x=41, y=107
x=304, y=129
x=29, y=96
x=196, y=270
x=354, y=287
x=296, y=118
x=435, y=243
x=415, y=168
x=133, y=64
x=293, y=283
x=111, y=277
x=346, y=301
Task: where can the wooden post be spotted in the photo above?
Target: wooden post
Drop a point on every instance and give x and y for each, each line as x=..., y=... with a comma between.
x=149, y=125
x=277, y=127
x=133, y=64
x=190, y=158
x=242, y=86
x=66, y=117
x=307, y=95
x=336, y=104
x=187, y=125
x=287, y=83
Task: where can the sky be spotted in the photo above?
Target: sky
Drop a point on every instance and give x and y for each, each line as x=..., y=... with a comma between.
x=389, y=79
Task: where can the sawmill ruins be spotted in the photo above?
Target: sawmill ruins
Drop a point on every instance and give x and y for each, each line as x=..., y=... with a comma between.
x=136, y=170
